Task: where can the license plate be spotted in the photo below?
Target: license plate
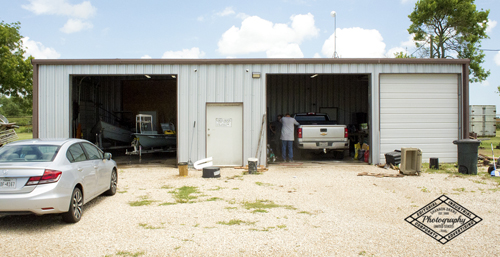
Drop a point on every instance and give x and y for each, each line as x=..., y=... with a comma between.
x=7, y=182
x=323, y=143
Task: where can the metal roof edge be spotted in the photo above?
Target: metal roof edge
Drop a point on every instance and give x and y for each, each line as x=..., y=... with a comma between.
x=251, y=61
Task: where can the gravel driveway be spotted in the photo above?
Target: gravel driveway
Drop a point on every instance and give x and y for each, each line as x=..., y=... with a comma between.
x=305, y=210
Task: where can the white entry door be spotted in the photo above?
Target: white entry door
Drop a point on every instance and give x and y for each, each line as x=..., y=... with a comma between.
x=225, y=134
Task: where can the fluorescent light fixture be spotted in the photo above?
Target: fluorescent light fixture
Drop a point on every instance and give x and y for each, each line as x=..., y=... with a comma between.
x=255, y=75
x=173, y=76
x=314, y=76
x=147, y=76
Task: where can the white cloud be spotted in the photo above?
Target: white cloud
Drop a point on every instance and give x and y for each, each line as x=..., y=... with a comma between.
x=226, y=12
x=356, y=43
x=200, y=18
x=76, y=12
x=405, y=47
x=317, y=55
x=491, y=24
x=38, y=50
x=75, y=25
x=83, y=10
x=497, y=59
x=146, y=57
x=242, y=15
x=259, y=35
x=185, y=53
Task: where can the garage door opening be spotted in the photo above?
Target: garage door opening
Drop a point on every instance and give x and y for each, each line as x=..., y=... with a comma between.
x=343, y=97
x=105, y=110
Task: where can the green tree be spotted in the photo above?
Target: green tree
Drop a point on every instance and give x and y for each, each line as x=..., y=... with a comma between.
x=403, y=55
x=451, y=29
x=9, y=108
x=16, y=71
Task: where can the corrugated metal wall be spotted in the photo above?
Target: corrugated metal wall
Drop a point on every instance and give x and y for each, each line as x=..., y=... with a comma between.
x=303, y=93
x=202, y=83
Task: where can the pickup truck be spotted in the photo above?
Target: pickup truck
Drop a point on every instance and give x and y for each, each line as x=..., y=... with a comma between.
x=317, y=132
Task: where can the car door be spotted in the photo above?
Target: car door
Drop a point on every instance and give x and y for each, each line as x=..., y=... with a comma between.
x=103, y=175
x=85, y=170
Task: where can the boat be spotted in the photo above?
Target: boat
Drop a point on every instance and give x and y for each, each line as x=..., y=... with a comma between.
x=112, y=132
x=148, y=140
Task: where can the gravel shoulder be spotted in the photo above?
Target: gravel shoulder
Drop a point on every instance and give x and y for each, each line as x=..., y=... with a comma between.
x=309, y=210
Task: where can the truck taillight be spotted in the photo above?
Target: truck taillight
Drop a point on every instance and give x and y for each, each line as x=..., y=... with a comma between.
x=345, y=133
x=299, y=133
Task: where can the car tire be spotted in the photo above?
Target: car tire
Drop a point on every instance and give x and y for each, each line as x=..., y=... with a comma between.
x=75, y=211
x=112, y=184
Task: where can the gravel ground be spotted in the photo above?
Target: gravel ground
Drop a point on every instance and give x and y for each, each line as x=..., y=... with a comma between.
x=319, y=210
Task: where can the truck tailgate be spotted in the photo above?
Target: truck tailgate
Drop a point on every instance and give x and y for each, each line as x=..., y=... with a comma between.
x=319, y=133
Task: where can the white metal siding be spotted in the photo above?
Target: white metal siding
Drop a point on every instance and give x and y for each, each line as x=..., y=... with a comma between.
x=201, y=83
x=419, y=110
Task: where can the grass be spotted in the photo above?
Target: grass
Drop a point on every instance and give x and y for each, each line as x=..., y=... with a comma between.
x=262, y=206
x=143, y=202
x=167, y=203
x=147, y=226
x=452, y=170
x=124, y=253
x=235, y=222
x=263, y=184
x=485, y=146
x=217, y=188
x=24, y=136
x=214, y=199
x=265, y=229
x=185, y=194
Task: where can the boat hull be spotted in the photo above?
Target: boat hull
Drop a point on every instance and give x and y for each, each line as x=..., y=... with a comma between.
x=114, y=133
x=156, y=140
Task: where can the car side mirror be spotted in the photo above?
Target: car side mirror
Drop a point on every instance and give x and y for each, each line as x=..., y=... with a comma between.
x=108, y=156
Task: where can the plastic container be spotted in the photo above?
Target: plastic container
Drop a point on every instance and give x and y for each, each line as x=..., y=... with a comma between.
x=467, y=155
x=183, y=169
x=211, y=172
x=361, y=154
x=434, y=163
x=393, y=158
x=252, y=165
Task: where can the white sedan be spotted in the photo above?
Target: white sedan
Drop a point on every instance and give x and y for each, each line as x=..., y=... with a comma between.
x=42, y=176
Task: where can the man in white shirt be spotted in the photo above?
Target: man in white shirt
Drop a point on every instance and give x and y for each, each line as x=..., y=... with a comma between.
x=287, y=136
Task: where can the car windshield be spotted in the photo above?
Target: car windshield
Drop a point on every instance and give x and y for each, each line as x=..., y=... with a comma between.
x=28, y=153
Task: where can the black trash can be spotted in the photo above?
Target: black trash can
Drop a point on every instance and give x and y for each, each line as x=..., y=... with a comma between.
x=467, y=155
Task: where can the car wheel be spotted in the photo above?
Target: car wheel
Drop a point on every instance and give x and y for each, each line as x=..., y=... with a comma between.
x=112, y=184
x=75, y=211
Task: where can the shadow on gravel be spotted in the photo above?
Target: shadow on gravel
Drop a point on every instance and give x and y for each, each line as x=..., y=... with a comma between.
x=42, y=223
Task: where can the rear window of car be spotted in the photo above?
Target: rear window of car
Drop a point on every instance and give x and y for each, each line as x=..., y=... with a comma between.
x=300, y=118
x=28, y=153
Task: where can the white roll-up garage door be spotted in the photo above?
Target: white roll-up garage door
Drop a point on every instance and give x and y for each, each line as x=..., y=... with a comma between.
x=419, y=110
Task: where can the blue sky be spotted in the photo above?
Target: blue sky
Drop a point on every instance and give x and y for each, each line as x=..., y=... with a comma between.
x=70, y=29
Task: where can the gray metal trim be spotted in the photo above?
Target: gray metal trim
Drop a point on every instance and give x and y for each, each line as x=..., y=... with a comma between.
x=252, y=61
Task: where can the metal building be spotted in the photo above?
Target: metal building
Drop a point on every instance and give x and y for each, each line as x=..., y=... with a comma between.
x=482, y=120
x=406, y=102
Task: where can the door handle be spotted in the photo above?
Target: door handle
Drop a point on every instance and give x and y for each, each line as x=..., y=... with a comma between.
x=79, y=169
